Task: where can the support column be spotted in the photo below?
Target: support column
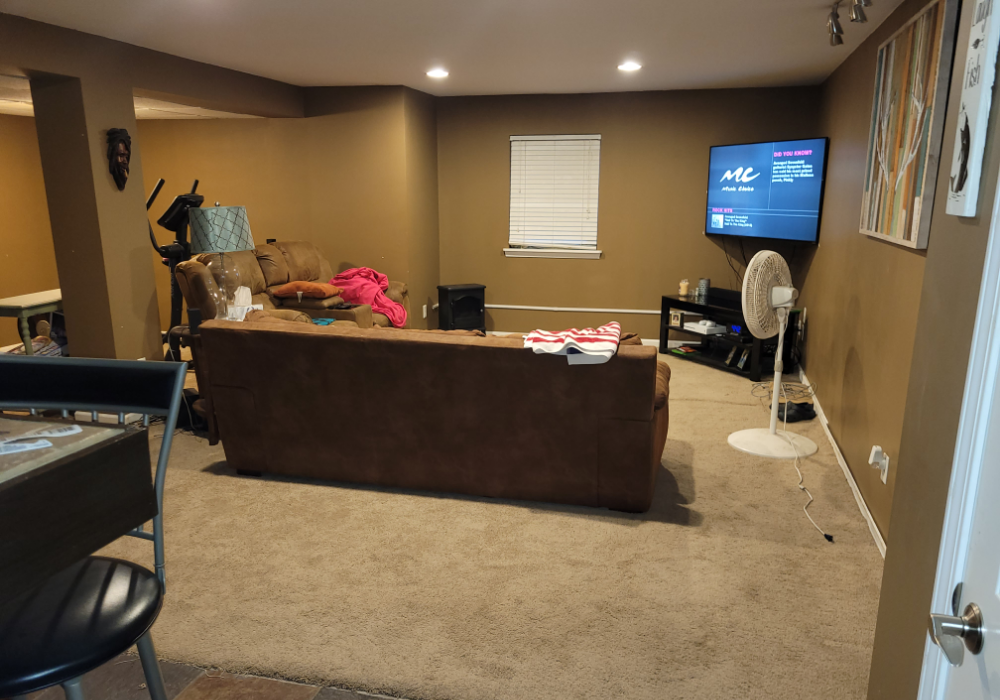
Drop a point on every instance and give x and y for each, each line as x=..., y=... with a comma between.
x=99, y=232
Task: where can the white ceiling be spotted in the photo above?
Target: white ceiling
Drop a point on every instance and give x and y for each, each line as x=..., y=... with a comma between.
x=15, y=98
x=489, y=46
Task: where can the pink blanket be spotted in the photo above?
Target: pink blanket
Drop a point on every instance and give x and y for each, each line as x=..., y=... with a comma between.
x=362, y=285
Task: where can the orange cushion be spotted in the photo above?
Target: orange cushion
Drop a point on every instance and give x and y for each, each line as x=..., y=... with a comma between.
x=314, y=290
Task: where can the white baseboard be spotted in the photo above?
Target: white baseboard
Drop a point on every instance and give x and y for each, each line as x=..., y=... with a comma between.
x=872, y=527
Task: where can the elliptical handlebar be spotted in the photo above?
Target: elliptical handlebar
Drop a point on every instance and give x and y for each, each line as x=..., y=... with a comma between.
x=149, y=202
x=156, y=191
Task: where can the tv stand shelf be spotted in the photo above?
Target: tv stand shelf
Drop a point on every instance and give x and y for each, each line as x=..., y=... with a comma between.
x=726, y=308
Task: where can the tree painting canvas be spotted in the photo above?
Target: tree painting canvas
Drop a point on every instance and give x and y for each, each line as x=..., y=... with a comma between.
x=907, y=126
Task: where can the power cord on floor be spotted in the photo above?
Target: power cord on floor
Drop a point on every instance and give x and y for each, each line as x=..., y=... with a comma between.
x=789, y=391
x=801, y=485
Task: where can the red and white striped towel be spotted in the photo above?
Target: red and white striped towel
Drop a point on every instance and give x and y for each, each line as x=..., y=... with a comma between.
x=589, y=346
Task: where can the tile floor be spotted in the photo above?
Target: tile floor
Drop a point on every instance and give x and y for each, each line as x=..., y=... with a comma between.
x=122, y=679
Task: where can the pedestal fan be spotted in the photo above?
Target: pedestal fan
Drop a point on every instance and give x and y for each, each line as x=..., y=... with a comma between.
x=768, y=294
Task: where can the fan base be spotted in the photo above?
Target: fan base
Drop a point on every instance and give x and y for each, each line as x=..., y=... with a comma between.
x=760, y=442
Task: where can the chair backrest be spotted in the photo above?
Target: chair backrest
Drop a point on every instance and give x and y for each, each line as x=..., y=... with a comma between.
x=29, y=383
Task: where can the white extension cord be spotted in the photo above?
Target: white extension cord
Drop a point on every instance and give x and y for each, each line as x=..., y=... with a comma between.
x=801, y=485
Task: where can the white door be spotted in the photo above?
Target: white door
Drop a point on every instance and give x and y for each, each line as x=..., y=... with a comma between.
x=970, y=543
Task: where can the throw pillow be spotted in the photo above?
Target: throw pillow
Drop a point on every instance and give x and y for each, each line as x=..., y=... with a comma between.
x=313, y=290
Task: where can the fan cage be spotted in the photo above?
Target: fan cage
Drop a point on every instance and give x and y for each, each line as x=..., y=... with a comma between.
x=766, y=271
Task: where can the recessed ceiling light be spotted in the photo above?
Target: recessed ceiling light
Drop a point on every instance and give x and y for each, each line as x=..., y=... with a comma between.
x=629, y=66
x=438, y=73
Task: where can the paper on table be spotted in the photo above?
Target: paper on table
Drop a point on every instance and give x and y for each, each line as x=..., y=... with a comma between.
x=45, y=432
x=7, y=448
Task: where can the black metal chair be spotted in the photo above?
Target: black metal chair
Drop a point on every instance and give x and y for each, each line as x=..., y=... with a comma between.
x=94, y=610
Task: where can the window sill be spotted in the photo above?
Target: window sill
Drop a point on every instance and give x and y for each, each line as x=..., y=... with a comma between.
x=552, y=253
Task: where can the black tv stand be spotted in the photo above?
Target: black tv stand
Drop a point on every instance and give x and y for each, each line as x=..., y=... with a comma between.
x=725, y=307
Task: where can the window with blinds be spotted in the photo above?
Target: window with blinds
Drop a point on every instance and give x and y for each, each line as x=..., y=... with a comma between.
x=554, y=192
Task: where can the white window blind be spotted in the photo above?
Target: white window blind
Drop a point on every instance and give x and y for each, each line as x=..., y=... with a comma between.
x=554, y=191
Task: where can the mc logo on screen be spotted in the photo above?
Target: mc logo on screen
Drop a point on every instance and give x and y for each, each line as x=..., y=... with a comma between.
x=740, y=175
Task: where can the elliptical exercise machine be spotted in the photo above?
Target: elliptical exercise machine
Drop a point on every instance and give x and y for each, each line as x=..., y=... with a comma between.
x=174, y=219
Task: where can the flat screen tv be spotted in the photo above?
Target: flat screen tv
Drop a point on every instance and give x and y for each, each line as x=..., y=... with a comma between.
x=767, y=190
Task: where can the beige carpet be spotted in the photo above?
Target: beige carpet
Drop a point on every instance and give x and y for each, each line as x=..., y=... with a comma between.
x=722, y=591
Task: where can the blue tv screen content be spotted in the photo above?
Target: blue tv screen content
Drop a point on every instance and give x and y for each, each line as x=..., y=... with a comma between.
x=767, y=190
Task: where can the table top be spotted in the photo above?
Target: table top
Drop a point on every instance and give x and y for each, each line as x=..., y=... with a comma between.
x=66, y=500
x=79, y=437
x=25, y=301
x=709, y=302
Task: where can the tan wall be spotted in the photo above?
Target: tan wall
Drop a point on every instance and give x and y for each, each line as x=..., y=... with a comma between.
x=254, y=163
x=945, y=319
x=83, y=85
x=27, y=258
x=862, y=294
x=358, y=179
x=422, y=207
x=654, y=170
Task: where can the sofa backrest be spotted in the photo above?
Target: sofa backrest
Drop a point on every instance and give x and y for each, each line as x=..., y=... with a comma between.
x=304, y=261
x=401, y=408
x=272, y=265
x=246, y=264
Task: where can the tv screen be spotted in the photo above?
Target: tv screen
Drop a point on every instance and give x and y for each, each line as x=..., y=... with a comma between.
x=767, y=190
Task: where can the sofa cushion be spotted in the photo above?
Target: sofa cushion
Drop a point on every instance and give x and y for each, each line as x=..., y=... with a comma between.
x=277, y=316
x=303, y=259
x=246, y=264
x=272, y=265
x=264, y=300
x=457, y=331
x=312, y=290
x=307, y=303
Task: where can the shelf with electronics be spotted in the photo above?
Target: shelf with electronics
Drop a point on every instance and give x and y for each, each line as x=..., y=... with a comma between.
x=733, y=350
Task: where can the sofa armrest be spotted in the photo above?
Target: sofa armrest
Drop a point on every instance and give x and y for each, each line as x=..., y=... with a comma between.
x=198, y=287
x=400, y=293
x=396, y=291
x=662, y=385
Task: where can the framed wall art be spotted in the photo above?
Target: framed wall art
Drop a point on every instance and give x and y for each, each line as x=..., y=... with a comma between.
x=912, y=73
x=978, y=75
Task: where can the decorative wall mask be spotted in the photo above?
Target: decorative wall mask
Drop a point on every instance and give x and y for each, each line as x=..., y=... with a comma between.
x=119, y=155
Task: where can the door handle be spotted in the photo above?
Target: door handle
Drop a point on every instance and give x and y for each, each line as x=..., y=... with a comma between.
x=952, y=633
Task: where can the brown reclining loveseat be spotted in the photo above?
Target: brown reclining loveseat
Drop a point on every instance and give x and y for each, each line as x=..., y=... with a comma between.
x=438, y=412
x=268, y=267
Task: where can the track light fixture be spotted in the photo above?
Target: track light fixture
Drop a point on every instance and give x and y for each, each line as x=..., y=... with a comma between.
x=833, y=24
x=858, y=11
x=833, y=21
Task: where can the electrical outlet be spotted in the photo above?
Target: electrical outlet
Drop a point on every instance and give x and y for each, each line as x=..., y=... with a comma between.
x=425, y=310
x=880, y=460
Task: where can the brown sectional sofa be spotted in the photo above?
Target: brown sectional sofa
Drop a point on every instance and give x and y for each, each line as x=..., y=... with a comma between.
x=268, y=267
x=438, y=412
